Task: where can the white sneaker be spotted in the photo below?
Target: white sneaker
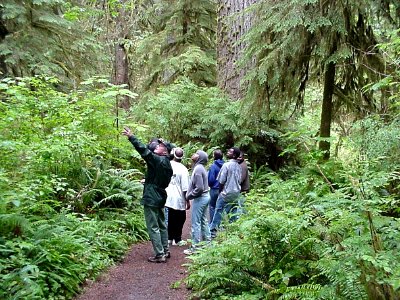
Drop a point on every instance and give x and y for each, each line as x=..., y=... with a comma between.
x=173, y=243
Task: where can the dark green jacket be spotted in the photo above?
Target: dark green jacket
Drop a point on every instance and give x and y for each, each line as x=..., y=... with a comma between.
x=158, y=175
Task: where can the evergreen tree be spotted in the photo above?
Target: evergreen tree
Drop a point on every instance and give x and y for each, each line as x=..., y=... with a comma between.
x=119, y=25
x=39, y=37
x=180, y=42
x=293, y=42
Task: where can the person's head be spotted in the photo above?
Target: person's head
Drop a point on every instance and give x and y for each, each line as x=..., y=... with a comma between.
x=200, y=157
x=233, y=153
x=177, y=153
x=217, y=154
x=169, y=145
x=161, y=149
x=194, y=157
x=152, y=144
x=240, y=159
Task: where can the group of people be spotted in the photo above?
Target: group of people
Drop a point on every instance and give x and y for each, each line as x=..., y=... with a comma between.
x=168, y=186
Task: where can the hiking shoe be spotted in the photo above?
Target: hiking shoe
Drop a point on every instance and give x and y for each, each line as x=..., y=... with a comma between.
x=189, y=251
x=157, y=259
x=167, y=254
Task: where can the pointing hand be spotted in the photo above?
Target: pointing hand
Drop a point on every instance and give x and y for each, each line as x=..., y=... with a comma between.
x=127, y=132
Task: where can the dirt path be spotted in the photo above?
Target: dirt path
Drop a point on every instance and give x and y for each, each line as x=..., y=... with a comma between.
x=136, y=279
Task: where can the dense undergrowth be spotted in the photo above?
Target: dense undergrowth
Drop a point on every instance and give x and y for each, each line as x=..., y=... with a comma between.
x=322, y=231
x=317, y=229
x=66, y=211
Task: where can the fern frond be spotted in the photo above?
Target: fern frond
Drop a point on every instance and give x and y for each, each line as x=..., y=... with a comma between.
x=116, y=199
x=13, y=224
x=304, y=291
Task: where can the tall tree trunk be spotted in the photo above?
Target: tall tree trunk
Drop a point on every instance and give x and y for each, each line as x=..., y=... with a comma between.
x=327, y=105
x=121, y=75
x=3, y=33
x=229, y=31
x=121, y=66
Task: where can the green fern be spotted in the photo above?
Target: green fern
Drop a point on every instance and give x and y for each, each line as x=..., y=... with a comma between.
x=304, y=291
x=14, y=224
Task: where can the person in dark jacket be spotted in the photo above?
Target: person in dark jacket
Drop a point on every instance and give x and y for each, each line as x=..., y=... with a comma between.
x=245, y=182
x=157, y=178
x=213, y=183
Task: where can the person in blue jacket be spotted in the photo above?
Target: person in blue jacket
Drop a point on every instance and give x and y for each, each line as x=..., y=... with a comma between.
x=213, y=182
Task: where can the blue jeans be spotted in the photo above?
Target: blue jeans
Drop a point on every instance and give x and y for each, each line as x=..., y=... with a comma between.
x=241, y=210
x=229, y=207
x=213, y=202
x=200, y=229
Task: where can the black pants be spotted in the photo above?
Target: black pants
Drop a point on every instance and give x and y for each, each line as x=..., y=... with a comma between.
x=176, y=219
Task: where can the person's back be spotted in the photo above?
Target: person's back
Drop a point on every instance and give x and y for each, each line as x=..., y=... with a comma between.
x=229, y=178
x=214, y=169
x=177, y=187
x=176, y=199
x=213, y=183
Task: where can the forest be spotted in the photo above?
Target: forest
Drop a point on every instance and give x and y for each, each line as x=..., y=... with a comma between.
x=308, y=89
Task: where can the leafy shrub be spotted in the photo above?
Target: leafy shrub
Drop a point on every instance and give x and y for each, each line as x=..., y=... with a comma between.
x=54, y=259
x=322, y=233
x=66, y=212
x=191, y=112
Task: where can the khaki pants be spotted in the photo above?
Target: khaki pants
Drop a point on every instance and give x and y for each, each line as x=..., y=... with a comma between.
x=155, y=223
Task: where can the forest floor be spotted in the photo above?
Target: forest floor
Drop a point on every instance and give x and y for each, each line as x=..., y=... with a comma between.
x=137, y=279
